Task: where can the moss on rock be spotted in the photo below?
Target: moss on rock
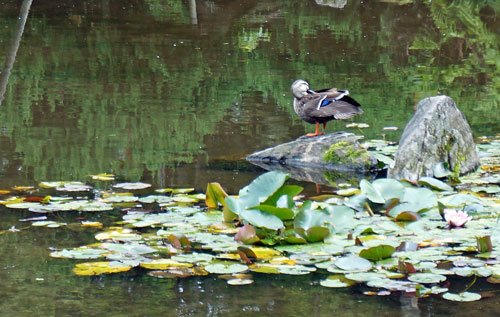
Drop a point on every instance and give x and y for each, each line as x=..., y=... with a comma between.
x=344, y=152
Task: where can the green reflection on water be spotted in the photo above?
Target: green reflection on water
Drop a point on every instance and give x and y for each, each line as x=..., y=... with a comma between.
x=137, y=87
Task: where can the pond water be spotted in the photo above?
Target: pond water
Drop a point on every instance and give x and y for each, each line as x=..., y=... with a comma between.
x=177, y=93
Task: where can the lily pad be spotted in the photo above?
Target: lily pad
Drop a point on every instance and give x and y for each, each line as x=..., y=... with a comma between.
x=462, y=297
x=98, y=268
x=132, y=186
x=353, y=263
x=426, y=278
x=378, y=252
x=225, y=268
x=335, y=281
x=239, y=281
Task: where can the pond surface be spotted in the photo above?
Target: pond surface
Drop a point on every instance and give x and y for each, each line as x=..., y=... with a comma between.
x=177, y=93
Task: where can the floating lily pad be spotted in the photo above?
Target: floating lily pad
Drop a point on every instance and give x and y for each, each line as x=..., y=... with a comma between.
x=163, y=264
x=98, y=268
x=462, y=297
x=335, y=281
x=426, y=278
x=132, y=186
x=239, y=281
x=353, y=263
x=79, y=253
x=364, y=276
x=378, y=252
x=225, y=268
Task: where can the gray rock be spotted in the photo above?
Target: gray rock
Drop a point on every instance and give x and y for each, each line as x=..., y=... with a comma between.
x=438, y=135
x=306, y=156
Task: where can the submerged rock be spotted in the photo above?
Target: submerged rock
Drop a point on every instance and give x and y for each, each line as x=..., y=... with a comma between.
x=310, y=159
x=437, y=139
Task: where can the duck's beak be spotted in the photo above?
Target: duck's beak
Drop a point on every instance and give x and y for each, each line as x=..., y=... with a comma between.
x=310, y=91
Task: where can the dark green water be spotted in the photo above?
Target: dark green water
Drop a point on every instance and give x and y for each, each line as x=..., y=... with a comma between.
x=177, y=93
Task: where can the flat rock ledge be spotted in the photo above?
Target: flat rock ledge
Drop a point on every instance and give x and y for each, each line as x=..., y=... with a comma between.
x=317, y=153
x=437, y=142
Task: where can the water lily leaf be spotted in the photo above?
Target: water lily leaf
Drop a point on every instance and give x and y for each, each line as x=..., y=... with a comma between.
x=264, y=268
x=284, y=194
x=364, y=276
x=434, y=184
x=132, y=186
x=426, y=278
x=282, y=213
x=370, y=192
x=348, y=192
x=117, y=198
x=195, y=258
x=164, y=264
x=92, y=224
x=215, y=195
x=295, y=269
x=341, y=218
x=98, y=268
x=181, y=272
x=378, y=252
x=79, y=253
x=23, y=205
x=393, y=285
x=462, y=297
x=239, y=281
x=314, y=234
x=73, y=187
x=247, y=235
x=103, y=177
x=308, y=218
x=484, y=244
x=261, y=219
x=132, y=248
x=389, y=188
x=336, y=281
x=261, y=188
x=406, y=215
x=160, y=199
x=118, y=234
x=247, y=255
x=353, y=263
x=225, y=268
x=424, y=198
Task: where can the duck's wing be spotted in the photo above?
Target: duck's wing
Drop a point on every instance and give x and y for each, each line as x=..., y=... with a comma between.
x=344, y=108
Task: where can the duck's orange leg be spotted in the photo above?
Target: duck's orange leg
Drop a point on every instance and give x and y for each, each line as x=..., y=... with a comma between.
x=316, y=133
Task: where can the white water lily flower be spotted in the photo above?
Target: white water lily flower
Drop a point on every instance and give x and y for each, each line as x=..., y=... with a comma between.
x=456, y=218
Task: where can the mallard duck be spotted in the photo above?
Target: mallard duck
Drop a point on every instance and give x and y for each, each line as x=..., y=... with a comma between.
x=324, y=105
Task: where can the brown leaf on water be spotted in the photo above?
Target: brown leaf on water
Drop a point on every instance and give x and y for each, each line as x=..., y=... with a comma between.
x=247, y=255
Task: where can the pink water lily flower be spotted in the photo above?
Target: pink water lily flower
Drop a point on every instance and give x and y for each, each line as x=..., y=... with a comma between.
x=456, y=218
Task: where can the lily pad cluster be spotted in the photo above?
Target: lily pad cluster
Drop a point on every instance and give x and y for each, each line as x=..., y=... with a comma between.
x=385, y=236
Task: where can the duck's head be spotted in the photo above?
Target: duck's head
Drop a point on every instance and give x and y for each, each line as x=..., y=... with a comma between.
x=300, y=88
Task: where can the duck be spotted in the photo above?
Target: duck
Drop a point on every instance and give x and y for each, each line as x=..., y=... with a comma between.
x=320, y=106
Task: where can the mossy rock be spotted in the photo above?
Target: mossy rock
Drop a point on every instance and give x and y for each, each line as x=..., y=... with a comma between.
x=335, y=151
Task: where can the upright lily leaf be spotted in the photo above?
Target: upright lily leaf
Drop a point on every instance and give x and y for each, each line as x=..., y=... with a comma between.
x=389, y=188
x=282, y=213
x=371, y=192
x=484, y=244
x=261, y=219
x=262, y=188
x=215, y=195
x=434, y=184
x=308, y=218
x=288, y=191
x=341, y=218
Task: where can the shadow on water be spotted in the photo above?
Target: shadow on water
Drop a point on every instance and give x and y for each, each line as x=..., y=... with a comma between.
x=178, y=93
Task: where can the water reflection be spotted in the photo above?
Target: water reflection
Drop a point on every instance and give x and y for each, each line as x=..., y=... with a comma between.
x=152, y=86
